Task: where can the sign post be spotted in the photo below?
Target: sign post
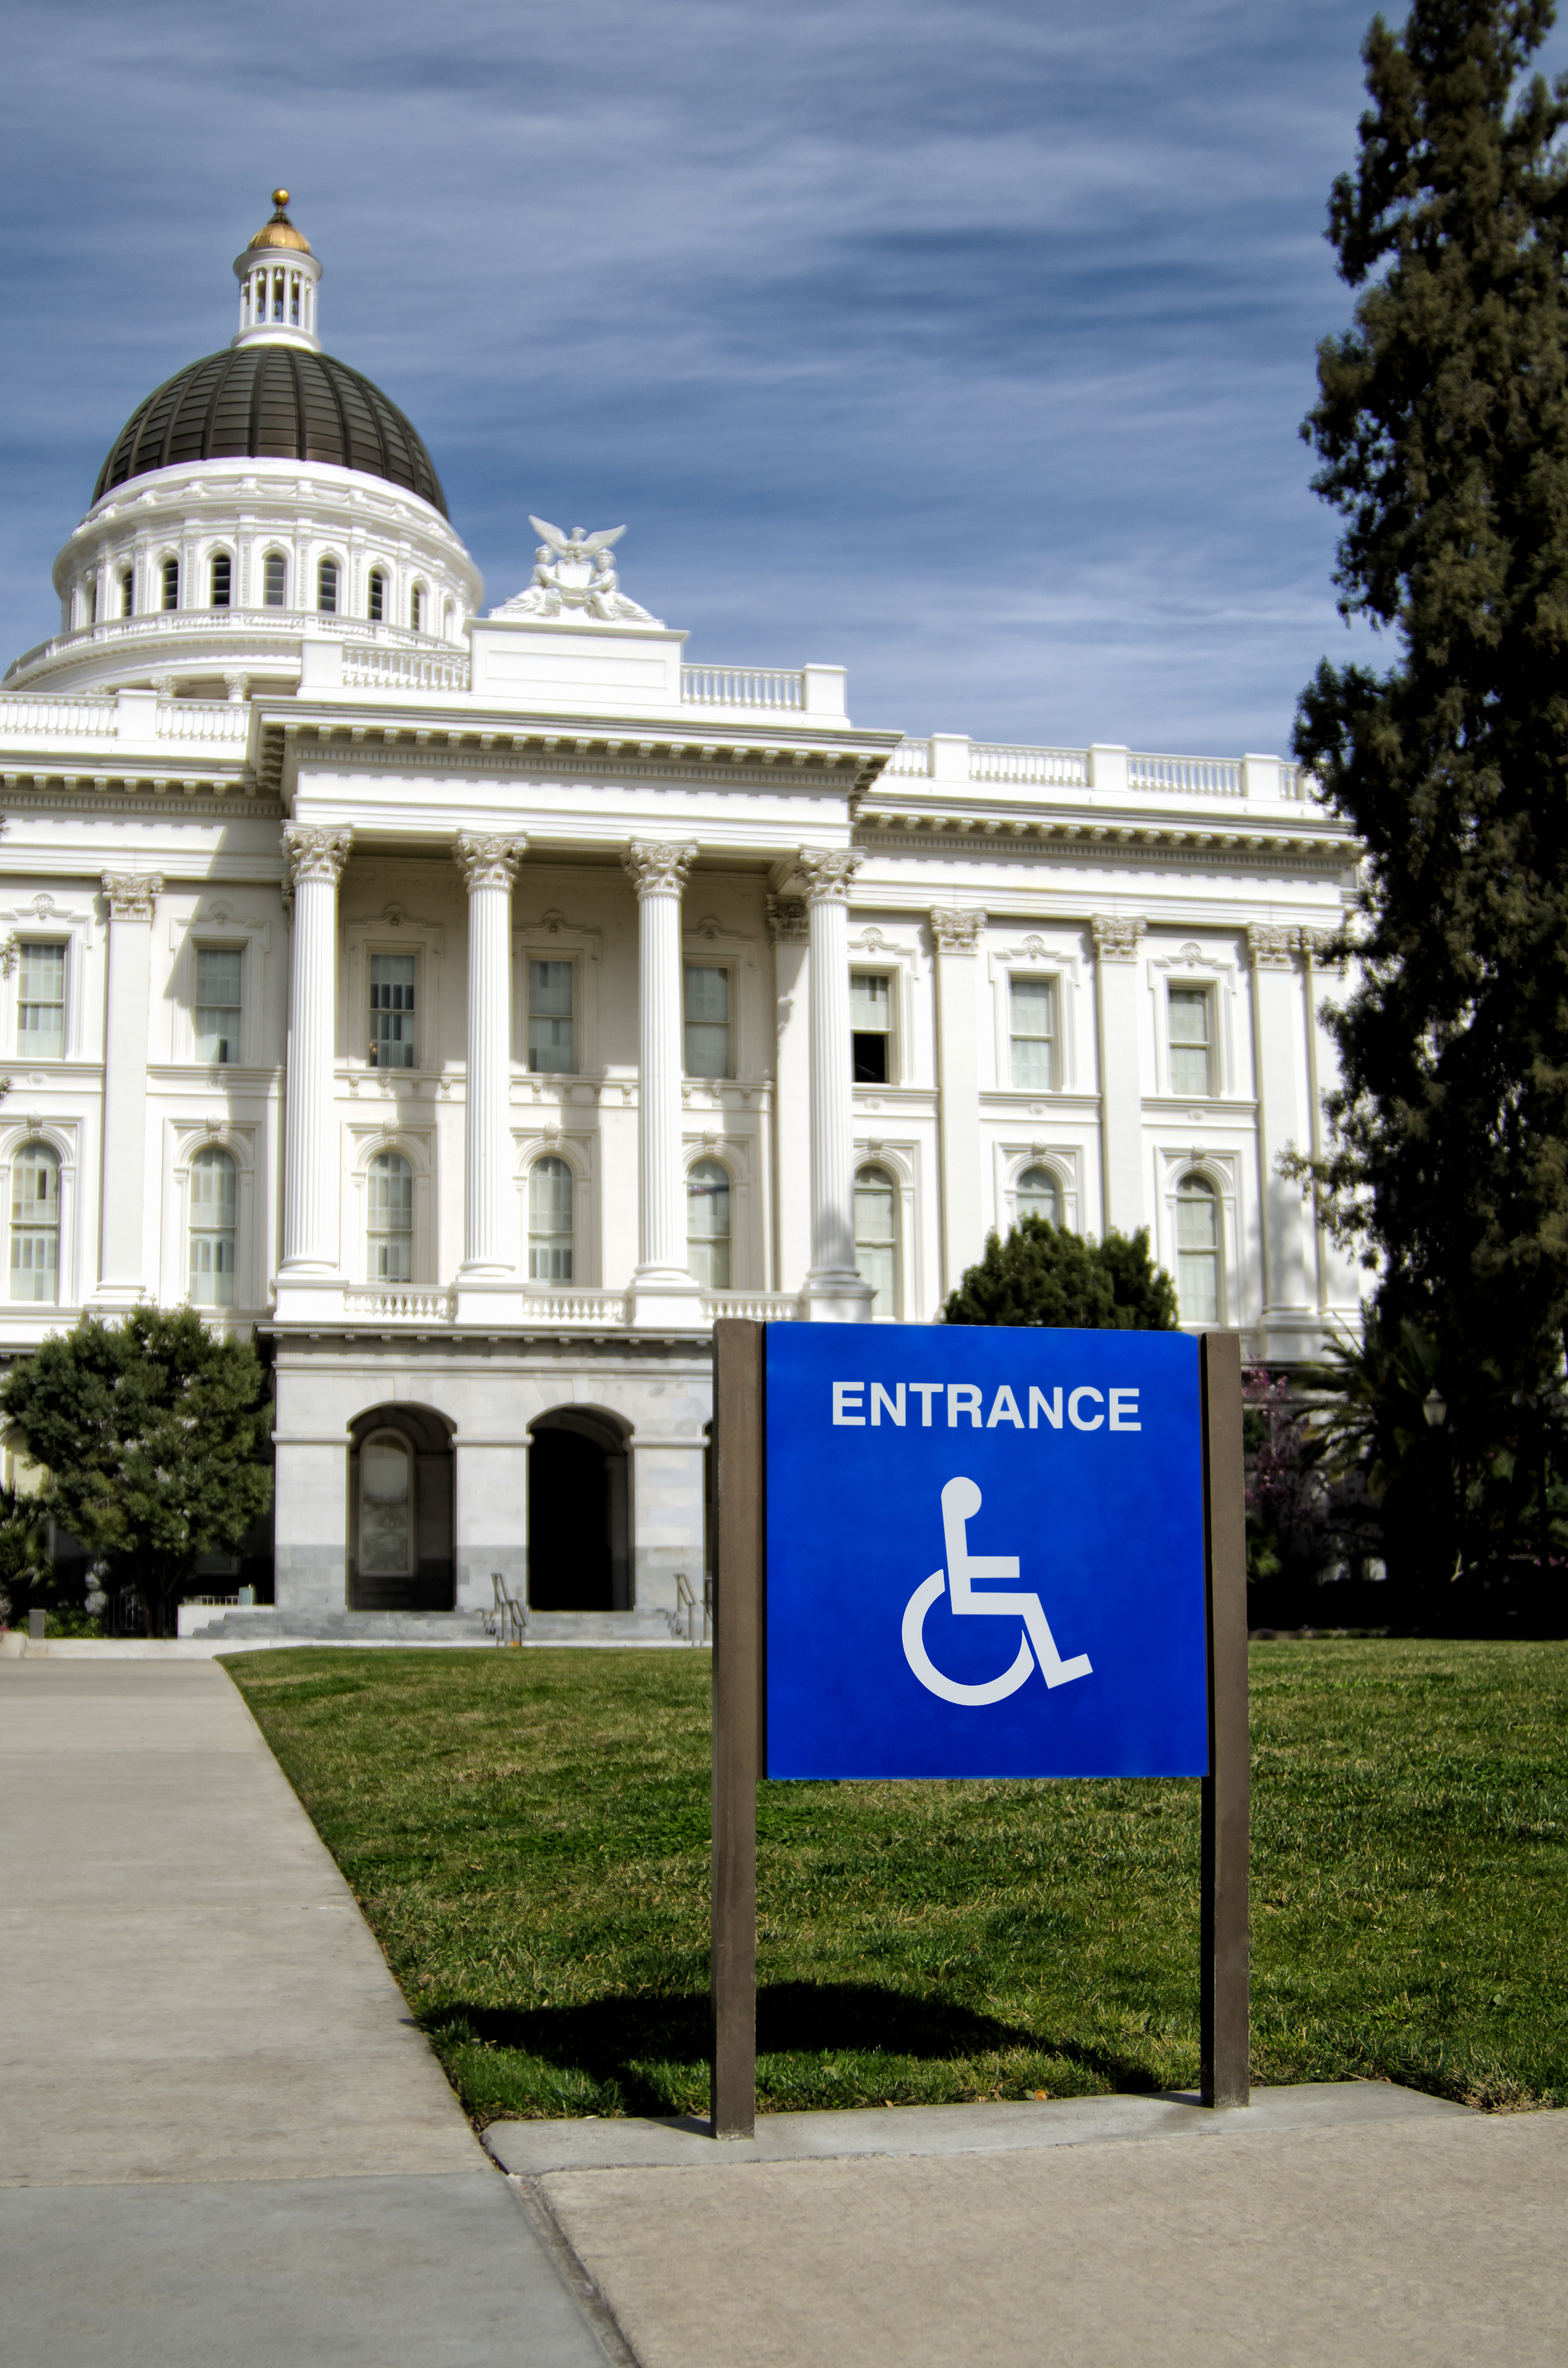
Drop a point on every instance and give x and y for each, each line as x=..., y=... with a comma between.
x=1108, y=1466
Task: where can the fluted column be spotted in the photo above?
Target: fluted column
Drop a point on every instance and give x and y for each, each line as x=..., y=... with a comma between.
x=835, y=1293
x=663, y=1291
x=956, y=933
x=130, y=897
x=489, y=865
x=312, y=1182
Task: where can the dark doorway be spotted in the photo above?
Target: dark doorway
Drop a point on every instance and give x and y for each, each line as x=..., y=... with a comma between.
x=400, y=1512
x=577, y=1524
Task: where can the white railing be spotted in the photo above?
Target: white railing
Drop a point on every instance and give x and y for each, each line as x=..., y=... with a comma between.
x=1207, y=777
x=755, y=1306
x=1295, y=781
x=202, y=719
x=373, y=669
x=995, y=761
x=309, y=624
x=22, y=718
x=911, y=757
x=399, y=1302
x=776, y=687
x=597, y=1307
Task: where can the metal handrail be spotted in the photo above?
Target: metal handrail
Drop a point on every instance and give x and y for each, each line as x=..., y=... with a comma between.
x=688, y=1605
x=510, y=1616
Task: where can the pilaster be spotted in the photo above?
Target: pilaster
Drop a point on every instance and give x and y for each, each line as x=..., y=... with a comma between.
x=955, y=935
x=835, y=1293
x=1116, y=974
x=1280, y=1018
x=122, y=1278
x=791, y=932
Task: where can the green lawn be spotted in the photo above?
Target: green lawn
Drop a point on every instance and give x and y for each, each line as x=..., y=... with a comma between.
x=527, y=1832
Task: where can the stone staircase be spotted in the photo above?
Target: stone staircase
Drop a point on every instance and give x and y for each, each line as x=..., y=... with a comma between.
x=263, y=1625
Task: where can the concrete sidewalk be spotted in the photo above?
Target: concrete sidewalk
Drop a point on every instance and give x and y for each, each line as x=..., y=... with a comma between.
x=221, y=2139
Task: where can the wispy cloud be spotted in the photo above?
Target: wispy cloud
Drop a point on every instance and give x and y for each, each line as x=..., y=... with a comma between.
x=962, y=340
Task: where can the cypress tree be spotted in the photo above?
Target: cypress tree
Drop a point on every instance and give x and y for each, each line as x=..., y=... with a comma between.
x=1441, y=430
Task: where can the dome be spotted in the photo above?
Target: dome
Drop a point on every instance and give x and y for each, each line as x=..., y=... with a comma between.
x=277, y=230
x=272, y=402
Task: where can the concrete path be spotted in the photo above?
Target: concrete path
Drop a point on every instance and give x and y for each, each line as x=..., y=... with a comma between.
x=221, y=2139
x=1360, y=2238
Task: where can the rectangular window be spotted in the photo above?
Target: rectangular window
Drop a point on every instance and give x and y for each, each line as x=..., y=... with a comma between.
x=549, y=1016
x=392, y=1011
x=707, y=1021
x=870, y=1027
x=1191, y=1050
x=1031, y=1021
x=217, y=1003
x=40, y=1003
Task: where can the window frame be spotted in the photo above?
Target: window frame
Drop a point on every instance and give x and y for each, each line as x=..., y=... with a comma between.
x=25, y=941
x=382, y=1149
x=568, y=962
x=378, y=584
x=728, y=969
x=551, y=1155
x=866, y=1160
x=202, y=945
x=268, y=557
x=1202, y=990
x=204, y=1159
x=704, y=1156
x=329, y=562
x=28, y=1139
x=224, y=559
x=1060, y=967
x=1051, y=982
x=169, y=575
x=415, y=1010
x=127, y=582
x=891, y=979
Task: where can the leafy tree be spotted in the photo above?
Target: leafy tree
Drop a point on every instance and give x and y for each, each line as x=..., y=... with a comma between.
x=1442, y=429
x=154, y=1431
x=1043, y=1274
x=26, y=1578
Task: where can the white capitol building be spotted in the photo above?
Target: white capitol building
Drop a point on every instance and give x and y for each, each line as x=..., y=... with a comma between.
x=475, y=1004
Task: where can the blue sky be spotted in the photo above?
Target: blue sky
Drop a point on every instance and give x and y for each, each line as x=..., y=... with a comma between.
x=961, y=341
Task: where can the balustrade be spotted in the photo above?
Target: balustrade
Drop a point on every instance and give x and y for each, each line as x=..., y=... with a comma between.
x=772, y=686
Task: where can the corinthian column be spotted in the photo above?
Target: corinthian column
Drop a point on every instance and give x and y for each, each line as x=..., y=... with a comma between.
x=311, y=1184
x=488, y=865
x=835, y=1293
x=663, y=1291
x=130, y=897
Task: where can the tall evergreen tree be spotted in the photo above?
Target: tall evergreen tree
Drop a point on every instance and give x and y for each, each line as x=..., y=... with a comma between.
x=1043, y=1274
x=1441, y=430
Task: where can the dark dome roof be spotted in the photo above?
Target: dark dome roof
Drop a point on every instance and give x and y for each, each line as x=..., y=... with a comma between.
x=272, y=402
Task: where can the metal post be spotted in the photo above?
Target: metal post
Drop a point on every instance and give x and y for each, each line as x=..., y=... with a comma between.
x=1226, y=2031
x=739, y=1565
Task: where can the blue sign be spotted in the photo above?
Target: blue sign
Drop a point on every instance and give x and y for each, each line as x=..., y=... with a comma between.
x=985, y=1553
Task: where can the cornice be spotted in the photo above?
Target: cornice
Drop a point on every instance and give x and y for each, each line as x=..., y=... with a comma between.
x=150, y=793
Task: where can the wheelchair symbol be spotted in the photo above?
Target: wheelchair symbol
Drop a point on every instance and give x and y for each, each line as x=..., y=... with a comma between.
x=961, y=1502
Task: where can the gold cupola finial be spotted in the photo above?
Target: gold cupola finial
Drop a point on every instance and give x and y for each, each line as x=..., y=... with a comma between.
x=278, y=231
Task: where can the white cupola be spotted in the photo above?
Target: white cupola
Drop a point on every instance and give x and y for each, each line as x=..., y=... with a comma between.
x=277, y=276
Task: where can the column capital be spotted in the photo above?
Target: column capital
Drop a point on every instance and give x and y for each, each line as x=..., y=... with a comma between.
x=657, y=868
x=956, y=930
x=1271, y=946
x=315, y=852
x=823, y=874
x=486, y=859
x=1116, y=936
x=131, y=894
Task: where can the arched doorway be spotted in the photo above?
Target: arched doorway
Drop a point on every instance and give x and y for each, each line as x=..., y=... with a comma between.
x=400, y=1512
x=578, y=1526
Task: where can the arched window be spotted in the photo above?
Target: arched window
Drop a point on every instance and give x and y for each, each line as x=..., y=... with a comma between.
x=386, y=1507
x=93, y=601
x=550, y=1221
x=35, y=1222
x=707, y=1224
x=876, y=1237
x=171, y=582
x=377, y=596
x=1038, y=1195
x=274, y=580
x=128, y=594
x=390, y=1228
x=449, y=621
x=416, y=609
x=1198, y=1250
x=222, y=576
x=326, y=587
x=212, y=1229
